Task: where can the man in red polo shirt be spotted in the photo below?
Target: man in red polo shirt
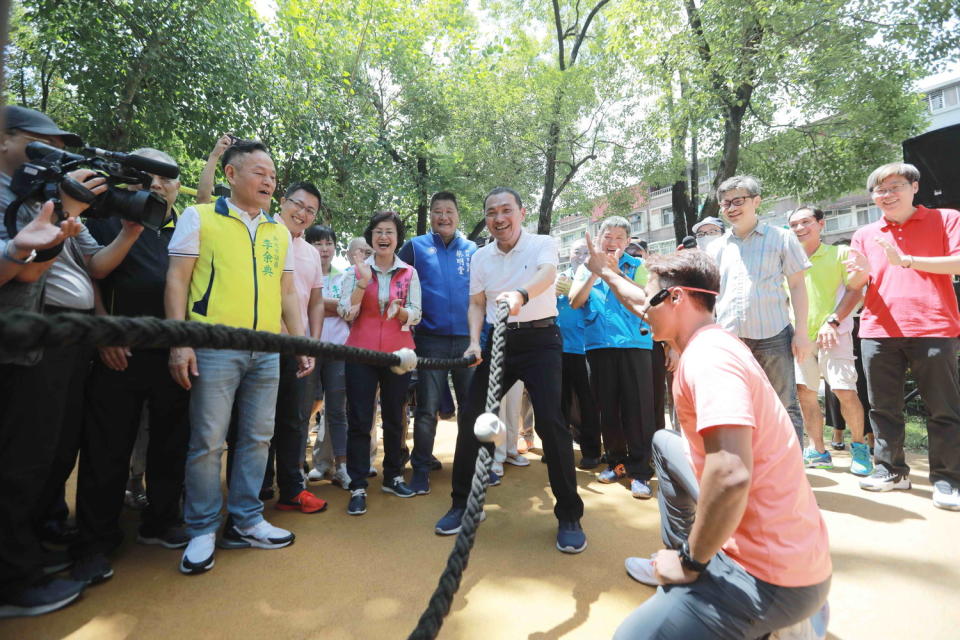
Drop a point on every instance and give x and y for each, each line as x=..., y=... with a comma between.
x=910, y=319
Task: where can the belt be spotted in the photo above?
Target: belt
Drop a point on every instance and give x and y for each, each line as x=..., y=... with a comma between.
x=533, y=324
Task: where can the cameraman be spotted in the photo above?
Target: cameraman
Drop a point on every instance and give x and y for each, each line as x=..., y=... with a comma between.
x=120, y=383
x=29, y=427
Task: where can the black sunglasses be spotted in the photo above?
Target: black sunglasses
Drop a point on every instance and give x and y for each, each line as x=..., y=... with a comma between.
x=663, y=294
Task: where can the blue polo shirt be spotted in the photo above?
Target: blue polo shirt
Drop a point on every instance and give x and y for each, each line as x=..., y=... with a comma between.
x=571, y=322
x=609, y=325
x=444, y=272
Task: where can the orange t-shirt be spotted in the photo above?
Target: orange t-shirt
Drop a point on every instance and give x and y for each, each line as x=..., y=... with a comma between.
x=782, y=539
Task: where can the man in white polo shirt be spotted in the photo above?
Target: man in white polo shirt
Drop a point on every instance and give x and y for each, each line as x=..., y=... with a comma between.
x=520, y=268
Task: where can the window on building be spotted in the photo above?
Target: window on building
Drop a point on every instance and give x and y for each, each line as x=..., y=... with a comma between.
x=866, y=215
x=666, y=216
x=637, y=223
x=951, y=96
x=935, y=100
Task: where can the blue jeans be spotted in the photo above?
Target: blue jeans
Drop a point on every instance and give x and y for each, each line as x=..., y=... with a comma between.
x=430, y=386
x=775, y=356
x=252, y=377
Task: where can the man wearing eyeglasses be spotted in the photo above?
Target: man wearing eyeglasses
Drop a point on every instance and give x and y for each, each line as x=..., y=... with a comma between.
x=746, y=549
x=754, y=259
x=910, y=319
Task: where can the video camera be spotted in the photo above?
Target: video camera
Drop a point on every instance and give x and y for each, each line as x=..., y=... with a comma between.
x=46, y=174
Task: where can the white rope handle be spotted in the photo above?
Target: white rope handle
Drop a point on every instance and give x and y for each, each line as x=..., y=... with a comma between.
x=408, y=361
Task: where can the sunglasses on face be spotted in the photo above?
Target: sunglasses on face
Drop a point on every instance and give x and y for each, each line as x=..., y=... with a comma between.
x=663, y=294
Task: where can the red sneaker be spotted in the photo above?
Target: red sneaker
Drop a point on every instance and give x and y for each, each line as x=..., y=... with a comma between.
x=305, y=502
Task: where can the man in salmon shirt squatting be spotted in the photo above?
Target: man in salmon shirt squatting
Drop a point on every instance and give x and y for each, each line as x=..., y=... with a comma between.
x=746, y=548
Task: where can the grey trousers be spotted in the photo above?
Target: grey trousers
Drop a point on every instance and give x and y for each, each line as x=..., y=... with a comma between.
x=725, y=601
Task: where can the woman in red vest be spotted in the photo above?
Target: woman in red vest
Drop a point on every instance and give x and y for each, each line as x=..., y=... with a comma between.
x=381, y=300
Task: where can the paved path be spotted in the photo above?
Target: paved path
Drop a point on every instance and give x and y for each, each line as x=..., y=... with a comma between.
x=896, y=559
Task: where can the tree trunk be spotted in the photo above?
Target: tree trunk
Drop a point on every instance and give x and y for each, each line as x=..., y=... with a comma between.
x=123, y=120
x=550, y=170
x=694, y=177
x=681, y=208
x=730, y=159
x=421, y=195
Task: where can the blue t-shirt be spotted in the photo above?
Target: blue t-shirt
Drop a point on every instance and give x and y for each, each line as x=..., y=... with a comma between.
x=571, y=322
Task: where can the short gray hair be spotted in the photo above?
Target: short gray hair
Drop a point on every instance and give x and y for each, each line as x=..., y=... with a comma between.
x=748, y=183
x=908, y=171
x=615, y=222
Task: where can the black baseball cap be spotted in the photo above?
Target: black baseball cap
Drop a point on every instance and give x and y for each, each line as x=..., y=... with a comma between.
x=33, y=121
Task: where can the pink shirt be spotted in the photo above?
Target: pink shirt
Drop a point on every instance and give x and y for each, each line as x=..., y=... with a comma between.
x=307, y=275
x=902, y=302
x=782, y=539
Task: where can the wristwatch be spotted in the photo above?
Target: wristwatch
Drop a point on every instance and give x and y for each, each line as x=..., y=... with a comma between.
x=687, y=561
x=833, y=320
x=9, y=256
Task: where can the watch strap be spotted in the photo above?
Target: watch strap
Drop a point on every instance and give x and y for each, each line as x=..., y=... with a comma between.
x=686, y=559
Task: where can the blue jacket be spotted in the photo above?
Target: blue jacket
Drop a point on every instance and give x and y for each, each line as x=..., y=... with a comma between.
x=609, y=325
x=444, y=272
x=572, y=323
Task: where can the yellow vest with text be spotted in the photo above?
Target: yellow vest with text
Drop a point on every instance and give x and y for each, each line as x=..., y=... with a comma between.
x=236, y=279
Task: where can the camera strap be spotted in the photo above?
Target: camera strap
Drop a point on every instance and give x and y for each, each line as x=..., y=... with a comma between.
x=10, y=216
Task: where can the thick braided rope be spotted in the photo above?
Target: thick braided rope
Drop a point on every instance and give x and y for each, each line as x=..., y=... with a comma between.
x=22, y=331
x=430, y=622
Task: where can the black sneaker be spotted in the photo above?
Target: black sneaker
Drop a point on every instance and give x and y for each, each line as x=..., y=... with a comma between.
x=358, y=502
x=92, y=569
x=172, y=538
x=435, y=464
x=266, y=494
x=398, y=487
x=40, y=598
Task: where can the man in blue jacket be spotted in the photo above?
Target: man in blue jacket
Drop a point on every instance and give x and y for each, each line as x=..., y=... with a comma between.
x=619, y=361
x=442, y=260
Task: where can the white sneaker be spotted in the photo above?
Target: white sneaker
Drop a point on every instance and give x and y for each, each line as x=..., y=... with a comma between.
x=264, y=535
x=497, y=468
x=316, y=475
x=341, y=477
x=640, y=489
x=641, y=570
x=517, y=460
x=945, y=496
x=198, y=556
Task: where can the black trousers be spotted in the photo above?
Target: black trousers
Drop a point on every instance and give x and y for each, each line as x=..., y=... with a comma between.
x=294, y=401
x=534, y=356
x=622, y=383
x=362, y=383
x=576, y=393
x=29, y=430
x=111, y=420
x=659, y=362
x=76, y=360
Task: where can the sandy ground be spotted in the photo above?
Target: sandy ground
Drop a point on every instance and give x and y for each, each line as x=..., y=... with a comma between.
x=896, y=569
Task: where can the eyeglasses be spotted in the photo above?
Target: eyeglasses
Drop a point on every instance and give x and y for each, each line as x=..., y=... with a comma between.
x=706, y=234
x=736, y=202
x=302, y=207
x=663, y=294
x=808, y=222
x=879, y=192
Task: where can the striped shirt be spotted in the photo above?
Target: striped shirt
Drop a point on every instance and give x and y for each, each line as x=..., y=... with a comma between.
x=753, y=302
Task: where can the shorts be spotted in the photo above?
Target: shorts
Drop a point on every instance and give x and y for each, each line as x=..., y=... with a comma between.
x=837, y=366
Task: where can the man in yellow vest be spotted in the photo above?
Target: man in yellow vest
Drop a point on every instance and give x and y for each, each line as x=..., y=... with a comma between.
x=230, y=264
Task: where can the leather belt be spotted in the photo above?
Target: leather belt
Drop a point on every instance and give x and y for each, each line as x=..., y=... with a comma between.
x=533, y=324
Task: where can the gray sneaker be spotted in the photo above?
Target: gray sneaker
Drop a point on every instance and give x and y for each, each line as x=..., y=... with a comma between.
x=946, y=496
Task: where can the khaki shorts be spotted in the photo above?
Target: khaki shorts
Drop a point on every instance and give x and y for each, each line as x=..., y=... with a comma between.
x=837, y=366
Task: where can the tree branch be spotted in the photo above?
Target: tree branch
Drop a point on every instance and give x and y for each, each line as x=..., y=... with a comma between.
x=583, y=32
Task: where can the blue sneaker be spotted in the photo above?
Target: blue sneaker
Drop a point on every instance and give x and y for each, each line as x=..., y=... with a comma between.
x=420, y=482
x=35, y=600
x=640, y=489
x=612, y=474
x=451, y=521
x=494, y=480
x=861, y=465
x=358, y=502
x=570, y=537
x=397, y=487
x=813, y=459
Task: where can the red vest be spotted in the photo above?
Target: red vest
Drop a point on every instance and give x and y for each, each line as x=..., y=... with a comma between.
x=373, y=330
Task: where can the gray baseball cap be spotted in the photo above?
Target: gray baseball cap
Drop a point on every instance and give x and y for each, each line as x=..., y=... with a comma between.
x=33, y=121
x=708, y=220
